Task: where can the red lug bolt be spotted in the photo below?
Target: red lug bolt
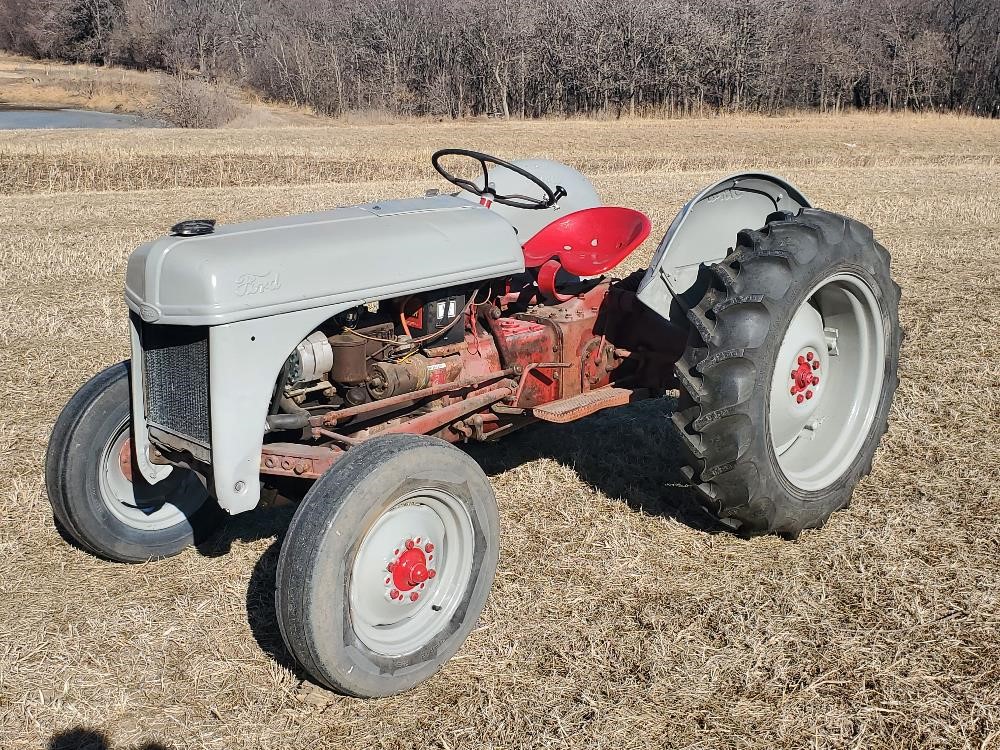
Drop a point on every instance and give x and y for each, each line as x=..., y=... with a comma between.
x=394, y=594
x=809, y=394
x=809, y=356
x=793, y=374
x=409, y=544
x=794, y=390
x=816, y=365
x=801, y=360
x=390, y=566
x=798, y=399
x=431, y=573
x=815, y=380
x=428, y=547
x=414, y=596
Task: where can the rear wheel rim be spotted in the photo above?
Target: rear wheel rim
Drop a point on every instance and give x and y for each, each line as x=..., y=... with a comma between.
x=411, y=572
x=138, y=504
x=827, y=382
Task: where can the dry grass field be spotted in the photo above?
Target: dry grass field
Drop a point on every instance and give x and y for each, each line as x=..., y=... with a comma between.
x=619, y=619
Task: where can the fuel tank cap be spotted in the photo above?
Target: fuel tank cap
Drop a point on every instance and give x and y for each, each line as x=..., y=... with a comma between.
x=193, y=227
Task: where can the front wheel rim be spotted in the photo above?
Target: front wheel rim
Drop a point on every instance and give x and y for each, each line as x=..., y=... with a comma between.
x=828, y=381
x=138, y=504
x=411, y=572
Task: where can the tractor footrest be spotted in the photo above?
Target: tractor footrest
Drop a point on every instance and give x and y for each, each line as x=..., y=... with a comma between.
x=575, y=407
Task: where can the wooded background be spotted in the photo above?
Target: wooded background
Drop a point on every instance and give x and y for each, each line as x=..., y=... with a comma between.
x=533, y=58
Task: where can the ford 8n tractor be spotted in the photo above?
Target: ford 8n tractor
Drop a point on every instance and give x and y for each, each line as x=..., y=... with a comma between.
x=354, y=347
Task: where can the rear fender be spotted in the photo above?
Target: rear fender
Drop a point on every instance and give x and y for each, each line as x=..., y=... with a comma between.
x=705, y=231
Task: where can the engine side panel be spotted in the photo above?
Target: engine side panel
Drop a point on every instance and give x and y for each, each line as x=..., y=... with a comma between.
x=705, y=230
x=347, y=255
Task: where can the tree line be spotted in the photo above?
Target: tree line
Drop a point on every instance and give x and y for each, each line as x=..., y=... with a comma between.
x=535, y=58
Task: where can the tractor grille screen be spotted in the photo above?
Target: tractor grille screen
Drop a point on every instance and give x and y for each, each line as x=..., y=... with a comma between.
x=175, y=366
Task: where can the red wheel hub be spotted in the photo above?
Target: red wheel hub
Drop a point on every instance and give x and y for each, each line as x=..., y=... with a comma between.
x=125, y=458
x=804, y=376
x=410, y=569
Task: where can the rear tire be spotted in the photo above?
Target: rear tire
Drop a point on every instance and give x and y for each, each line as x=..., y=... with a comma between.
x=96, y=504
x=387, y=565
x=789, y=372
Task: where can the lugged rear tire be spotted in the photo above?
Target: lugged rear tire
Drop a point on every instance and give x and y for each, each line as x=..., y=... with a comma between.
x=737, y=412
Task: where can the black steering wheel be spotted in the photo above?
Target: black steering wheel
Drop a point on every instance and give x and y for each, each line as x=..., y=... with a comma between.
x=515, y=201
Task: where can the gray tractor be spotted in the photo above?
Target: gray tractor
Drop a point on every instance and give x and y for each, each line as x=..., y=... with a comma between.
x=337, y=357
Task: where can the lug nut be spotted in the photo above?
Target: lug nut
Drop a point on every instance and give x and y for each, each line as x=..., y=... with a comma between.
x=414, y=596
x=394, y=594
x=809, y=394
x=802, y=360
x=793, y=374
x=815, y=380
x=431, y=573
x=794, y=390
x=428, y=547
x=390, y=566
x=809, y=356
x=409, y=544
x=798, y=399
x=816, y=365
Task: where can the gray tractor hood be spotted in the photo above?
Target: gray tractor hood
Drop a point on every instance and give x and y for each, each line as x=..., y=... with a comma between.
x=356, y=254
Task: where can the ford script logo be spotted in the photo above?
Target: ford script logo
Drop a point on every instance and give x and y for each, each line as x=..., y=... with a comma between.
x=257, y=283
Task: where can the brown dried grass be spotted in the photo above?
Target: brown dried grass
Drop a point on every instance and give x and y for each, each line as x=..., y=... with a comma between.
x=616, y=620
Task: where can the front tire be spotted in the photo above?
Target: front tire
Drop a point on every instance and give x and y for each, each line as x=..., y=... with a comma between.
x=387, y=565
x=97, y=494
x=789, y=372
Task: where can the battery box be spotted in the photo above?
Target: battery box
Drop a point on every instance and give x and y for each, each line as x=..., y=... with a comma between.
x=429, y=314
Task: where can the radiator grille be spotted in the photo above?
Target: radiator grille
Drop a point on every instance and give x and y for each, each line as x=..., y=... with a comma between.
x=175, y=369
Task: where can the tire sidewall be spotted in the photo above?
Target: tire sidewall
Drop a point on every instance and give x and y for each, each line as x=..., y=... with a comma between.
x=97, y=413
x=339, y=656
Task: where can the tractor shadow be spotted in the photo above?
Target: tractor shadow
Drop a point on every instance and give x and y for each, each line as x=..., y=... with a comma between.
x=629, y=454
x=87, y=738
x=261, y=615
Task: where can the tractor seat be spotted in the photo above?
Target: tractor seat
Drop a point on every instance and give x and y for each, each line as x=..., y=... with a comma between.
x=584, y=243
